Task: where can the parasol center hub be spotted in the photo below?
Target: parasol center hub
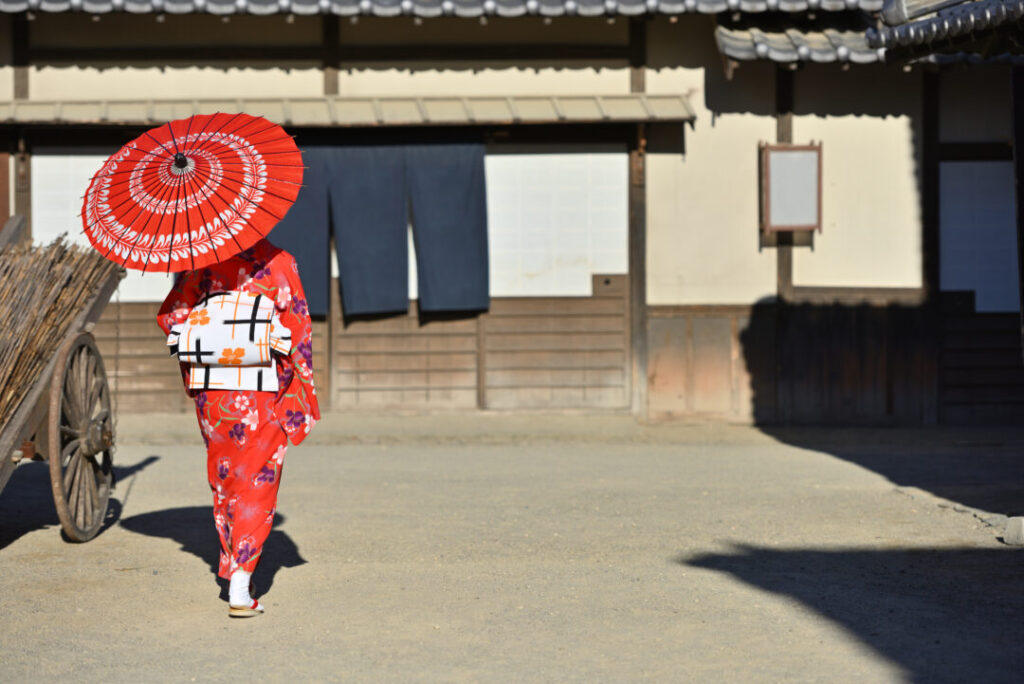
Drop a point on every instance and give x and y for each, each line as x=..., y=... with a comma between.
x=182, y=164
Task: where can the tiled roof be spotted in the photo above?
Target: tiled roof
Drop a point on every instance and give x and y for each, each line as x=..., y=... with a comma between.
x=366, y=111
x=791, y=45
x=949, y=22
x=436, y=8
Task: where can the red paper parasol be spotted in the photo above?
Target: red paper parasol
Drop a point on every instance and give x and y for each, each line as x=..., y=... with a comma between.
x=192, y=192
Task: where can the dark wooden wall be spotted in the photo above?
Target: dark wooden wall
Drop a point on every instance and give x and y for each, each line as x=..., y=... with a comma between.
x=982, y=376
x=791, y=364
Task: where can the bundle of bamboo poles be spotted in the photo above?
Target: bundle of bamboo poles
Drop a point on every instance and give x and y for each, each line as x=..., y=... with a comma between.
x=42, y=290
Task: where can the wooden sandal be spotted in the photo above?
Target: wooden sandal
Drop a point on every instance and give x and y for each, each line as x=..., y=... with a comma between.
x=246, y=611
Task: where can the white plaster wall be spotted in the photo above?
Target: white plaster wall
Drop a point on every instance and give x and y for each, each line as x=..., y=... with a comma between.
x=867, y=120
x=974, y=104
x=702, y=204
x=6, y=83
x=90, y=82
x=60, y=177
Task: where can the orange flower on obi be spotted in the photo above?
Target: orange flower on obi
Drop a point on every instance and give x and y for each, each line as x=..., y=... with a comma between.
x=231, y=357
x=201, y=317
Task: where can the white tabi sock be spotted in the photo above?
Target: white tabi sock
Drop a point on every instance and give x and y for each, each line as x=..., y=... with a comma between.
x=238, y=591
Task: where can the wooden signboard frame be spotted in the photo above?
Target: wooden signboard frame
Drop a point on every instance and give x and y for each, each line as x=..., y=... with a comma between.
x=766, y=183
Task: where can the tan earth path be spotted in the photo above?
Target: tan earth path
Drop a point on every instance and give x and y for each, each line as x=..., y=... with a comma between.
x=490, y=548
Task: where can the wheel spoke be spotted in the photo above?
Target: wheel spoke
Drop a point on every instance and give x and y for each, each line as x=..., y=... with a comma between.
x=83, y=494
x=71, y=472
x=65, y=453
x=78, y=492
x=95, y=393
x=88, y=381
x=68, y=406
x=92, y=496
x=83, y=381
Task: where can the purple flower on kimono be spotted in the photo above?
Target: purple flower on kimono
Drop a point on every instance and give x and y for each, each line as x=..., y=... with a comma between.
x=223, y=528
x=299, y=306
x=265, y=476
x=284, y=375
x=229, y=510
x=223, y=466
x=260, y=270
x=200, y=400
x=238, y=433
x=295, y=419
x=306, y=349
x=245, y=551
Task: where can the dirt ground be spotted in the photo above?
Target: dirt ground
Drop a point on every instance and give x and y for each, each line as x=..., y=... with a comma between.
x=489, y=548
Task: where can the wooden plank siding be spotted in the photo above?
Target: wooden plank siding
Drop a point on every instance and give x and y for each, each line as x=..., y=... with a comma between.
x=980, y=364
x=768, y=364
x=561, y=352
x=142, y=375
x=699, y=365
x=525, y=353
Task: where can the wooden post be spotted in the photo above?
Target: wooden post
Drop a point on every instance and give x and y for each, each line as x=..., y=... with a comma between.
x=481, y=360
x=784, y=96
x=20, y=55
x=5, y=186
x=930, y=185
x=330, y=60
x=23, y=182
x=931, y=375
x=1018, y=175
x=638, y=226
x=637, y=55
x=784, y=85
x=638, y=270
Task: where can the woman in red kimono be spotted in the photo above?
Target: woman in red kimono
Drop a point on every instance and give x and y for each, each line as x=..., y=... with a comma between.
x=246, y=430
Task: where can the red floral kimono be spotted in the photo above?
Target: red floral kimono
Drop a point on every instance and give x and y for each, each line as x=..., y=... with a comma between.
x=247, y=431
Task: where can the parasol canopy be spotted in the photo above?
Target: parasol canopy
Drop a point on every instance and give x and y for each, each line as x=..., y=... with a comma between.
x=192, y=192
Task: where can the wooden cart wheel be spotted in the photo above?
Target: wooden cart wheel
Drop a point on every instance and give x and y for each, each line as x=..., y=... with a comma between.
x=81, y=438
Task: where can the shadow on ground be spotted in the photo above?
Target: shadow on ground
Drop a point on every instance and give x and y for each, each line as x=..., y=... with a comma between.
x=878, y=366
x=967, y=467
x=192, y=527
x=26, y=503
x=943, y=615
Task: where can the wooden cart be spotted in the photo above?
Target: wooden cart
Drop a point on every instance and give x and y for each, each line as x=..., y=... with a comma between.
x=66, y=419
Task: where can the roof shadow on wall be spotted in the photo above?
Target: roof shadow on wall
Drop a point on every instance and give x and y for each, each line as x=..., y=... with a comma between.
x=941, y=615
x=866, y=368
x=876, y=90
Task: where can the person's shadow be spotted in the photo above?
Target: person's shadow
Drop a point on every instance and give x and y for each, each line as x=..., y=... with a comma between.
x=192, y=527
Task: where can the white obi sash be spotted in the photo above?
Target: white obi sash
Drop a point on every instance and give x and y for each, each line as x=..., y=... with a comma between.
x=229, y=341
